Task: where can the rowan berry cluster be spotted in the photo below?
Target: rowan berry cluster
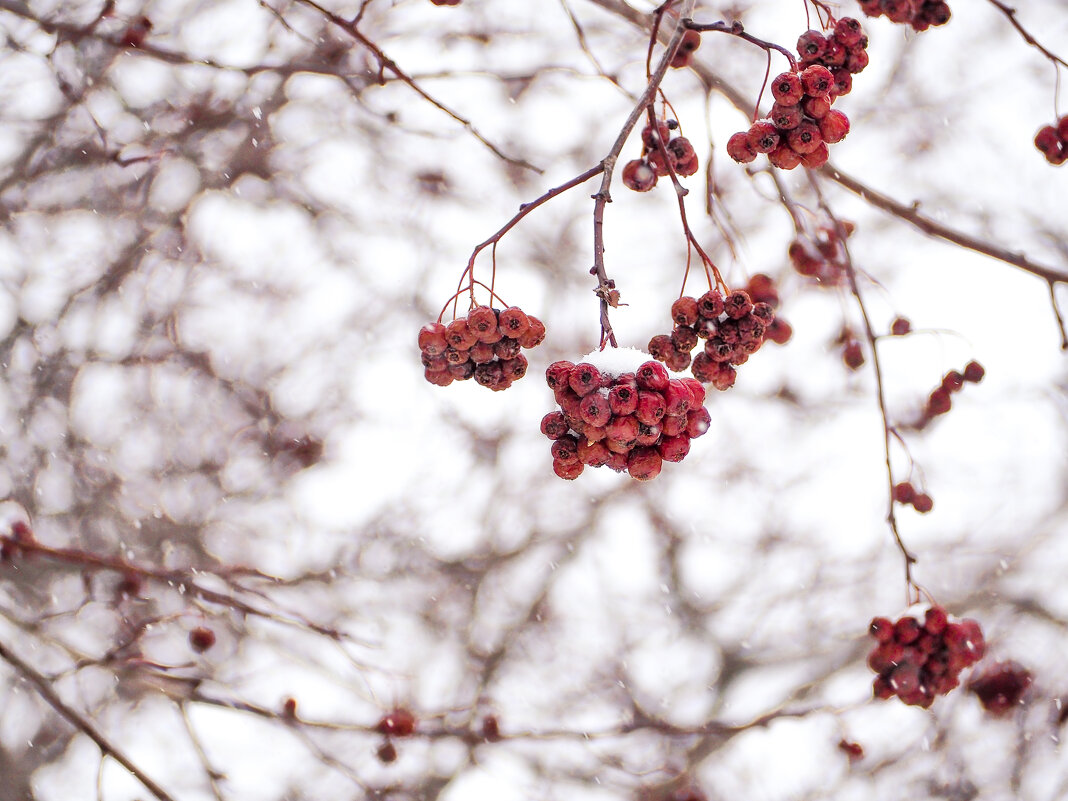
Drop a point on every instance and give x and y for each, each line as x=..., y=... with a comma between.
x=1052, y=142
x=939, y=401
x=1001, y=687
x=485, y=346
x=628, y=421
x=821, y=256
x=802, y=123
x=641, y=174
x=733, y=327
x=917, y=661
x=920, y=14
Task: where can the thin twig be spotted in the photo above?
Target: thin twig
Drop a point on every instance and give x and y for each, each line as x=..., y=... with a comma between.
x=79, y=721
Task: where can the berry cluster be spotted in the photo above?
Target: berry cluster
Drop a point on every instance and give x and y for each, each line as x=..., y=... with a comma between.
x=484, y=345
x=821, y=256
x=1001, y=687
x=1052, y=141
x=802, y=123
x=641, y=174
x=939, y=401
x=907, y=495
x=733, y=327
x=629, y=421
x=918, y=660
x=920, y=14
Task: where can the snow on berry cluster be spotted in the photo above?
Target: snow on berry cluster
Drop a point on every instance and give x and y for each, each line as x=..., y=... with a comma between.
x=633, y=421
x=733, y=327
x=484, y=345
x=641, y=174
x=920, y=14
x=1052, y=142
x=918, y=660
x=802, y=123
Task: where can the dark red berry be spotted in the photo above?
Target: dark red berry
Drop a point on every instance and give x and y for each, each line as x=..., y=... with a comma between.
x=805, y=138
x=553, y=425
x=853, y=355
x=973, y=372
x=900, y=327
x=432, y=339
x=644, y=463
x=398, y=723
x=684, y=311
x=1001, y=687
x=785, y=118
x=652, y=376
x=784, y=157
x=817, y=80
x=811, y=44
x=584, y=378
x=923, y=503
x=513, y=322
x=387, y=752
x=904, y=492
x=848, y=31
x=201, y=639
x=535, y=333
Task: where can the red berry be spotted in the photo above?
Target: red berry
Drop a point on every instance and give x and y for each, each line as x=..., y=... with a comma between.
x=584, y=378
x=848, y=31
x=785, y=118
x=805, y=138
x=787, y=89
x=595, y=410
x=834, y=126
x=398, y=723
x=568, y=471
x=852, y=750
x=458, y=335
x=535, y=333
x=644, y=463
x=853, y=355
x=651, y=408
x=811, y=44
x=938, y=402
x=1001, y=687
x=900, y=327
x=881, y=629
x=952, y=381
x=691, y=40
x=907, y=630
x=1062, y=127
x=923, y=503
x=652, y=376
x=553, y=425
x=935, y=620
x=558, y=374
x=201, y=639
x=513, y=322
x=491, y=729
x=683, y=157
x=387, y=752
x=432, y=339
x=973, y=372
x=482, y=320
x=763, y=136
x=639, y=176
x=817, y=80
x=739, y=149
x=904, y=492
x=684, y=311
x=675, y=448
x=649, y=140
x=817, y=158
x=817, y=107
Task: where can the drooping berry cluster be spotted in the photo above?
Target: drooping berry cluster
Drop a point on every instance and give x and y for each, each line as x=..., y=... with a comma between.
x=641, y=174
x=821, y=256
x=1052, y=142
x=629, y=421
x=1001, y=687
x=939, y=401
x=733, y=327
x=802, y=123
x=485, y=346
x=918, y=660
x=920, y=14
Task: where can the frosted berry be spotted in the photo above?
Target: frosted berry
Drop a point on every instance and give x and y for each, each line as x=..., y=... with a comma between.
x=639, y=176
x=811, y=44
x=584, y=379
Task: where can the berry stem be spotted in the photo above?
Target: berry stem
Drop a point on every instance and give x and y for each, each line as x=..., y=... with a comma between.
x=603, y=196
x=737, y=29
x=911, y=588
